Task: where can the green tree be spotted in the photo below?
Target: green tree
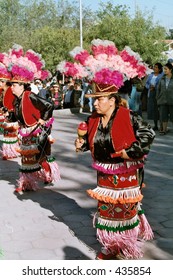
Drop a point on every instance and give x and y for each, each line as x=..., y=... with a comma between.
x=54, y=46
x=52, y=28
x=140, y=33
x=10, y=23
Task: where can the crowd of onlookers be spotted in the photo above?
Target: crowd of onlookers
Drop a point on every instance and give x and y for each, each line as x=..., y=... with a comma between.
x=145, y=94
x=70, y=93
x=65, y=93
x=154, y=95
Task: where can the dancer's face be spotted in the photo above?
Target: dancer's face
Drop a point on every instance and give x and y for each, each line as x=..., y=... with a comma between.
x=103, y=104
x=17, y=89
x=2, y=84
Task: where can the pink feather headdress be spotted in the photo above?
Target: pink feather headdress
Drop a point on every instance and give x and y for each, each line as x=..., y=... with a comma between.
x=106, y=65
x=4, y=73
x=24, y=67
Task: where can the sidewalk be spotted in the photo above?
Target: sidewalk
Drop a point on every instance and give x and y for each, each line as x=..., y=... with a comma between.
x=55, y=223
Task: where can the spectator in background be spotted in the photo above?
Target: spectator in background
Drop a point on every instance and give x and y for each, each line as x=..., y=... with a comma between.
x=68, y=97
x=125, y=91
x=135, y=96
x=170, y=60
x=90, y=99
x=76, y=94
x=151, y=85
x=44, y=91
x=56, y=96
x=35, y=86
x=144, y=93
x=86, y=88
x=164, y=97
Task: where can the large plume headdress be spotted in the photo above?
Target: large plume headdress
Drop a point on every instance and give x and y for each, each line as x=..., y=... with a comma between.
x=106, y=66
x=24, y=67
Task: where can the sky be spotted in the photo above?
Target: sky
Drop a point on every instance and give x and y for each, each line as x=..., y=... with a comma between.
x=162, y=11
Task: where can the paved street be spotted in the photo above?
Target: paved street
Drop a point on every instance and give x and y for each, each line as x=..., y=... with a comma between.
x=55, y=223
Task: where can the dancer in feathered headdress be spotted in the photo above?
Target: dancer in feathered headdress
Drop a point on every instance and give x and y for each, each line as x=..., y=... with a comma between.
x=34, y=116
x=119, y=141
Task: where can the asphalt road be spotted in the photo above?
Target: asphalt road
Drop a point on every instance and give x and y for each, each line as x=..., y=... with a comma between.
x=55, y=222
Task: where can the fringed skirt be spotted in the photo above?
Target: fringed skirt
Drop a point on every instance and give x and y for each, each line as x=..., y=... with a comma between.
x=121, y=224
x=31, y=170
x=10, y=143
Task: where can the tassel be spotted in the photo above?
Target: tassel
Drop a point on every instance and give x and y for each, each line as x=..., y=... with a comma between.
x=95, y=217
x=28, y=181
x=118, y=168
x=130, y=195
x=145, y=231
x=10, y=150
x=125, y=243
x=50, y=171
x=55, y=172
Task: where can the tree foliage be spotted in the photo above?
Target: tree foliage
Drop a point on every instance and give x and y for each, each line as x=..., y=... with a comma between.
x=140, y=33
x=52, y=28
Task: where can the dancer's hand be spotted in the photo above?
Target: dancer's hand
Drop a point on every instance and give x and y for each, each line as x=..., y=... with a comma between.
x=78, y=143
x=41, y=122
x=121, y=154
x=124, y=154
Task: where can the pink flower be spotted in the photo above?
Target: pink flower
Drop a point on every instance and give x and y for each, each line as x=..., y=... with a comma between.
x=4, y=73
x=44, y=74
x=2, y=56
x=108, y=77
x=79, y=54
x=141, y=69
x=16, y=50
x=135, y=61
x=6, y=59
x=103, y=47
x=127, y=57
x=70, y=69
x=25, y=66
x=35, y=58
x=22, y=72
x=109, y=50
x=82, y=57
x=81, y=71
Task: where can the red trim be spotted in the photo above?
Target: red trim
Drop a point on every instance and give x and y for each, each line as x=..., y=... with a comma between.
x=29, y=112
x=122, y=130
x=122, y=133
x=8, y=99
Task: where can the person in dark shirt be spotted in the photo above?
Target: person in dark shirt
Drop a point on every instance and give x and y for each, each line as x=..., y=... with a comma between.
x=56, y=96
x=44, y=91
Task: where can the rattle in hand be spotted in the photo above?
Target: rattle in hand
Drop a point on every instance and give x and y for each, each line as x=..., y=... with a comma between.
x=81, y=131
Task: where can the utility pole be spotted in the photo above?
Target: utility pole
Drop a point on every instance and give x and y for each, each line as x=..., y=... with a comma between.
x=136, y=8
x=81, y=35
